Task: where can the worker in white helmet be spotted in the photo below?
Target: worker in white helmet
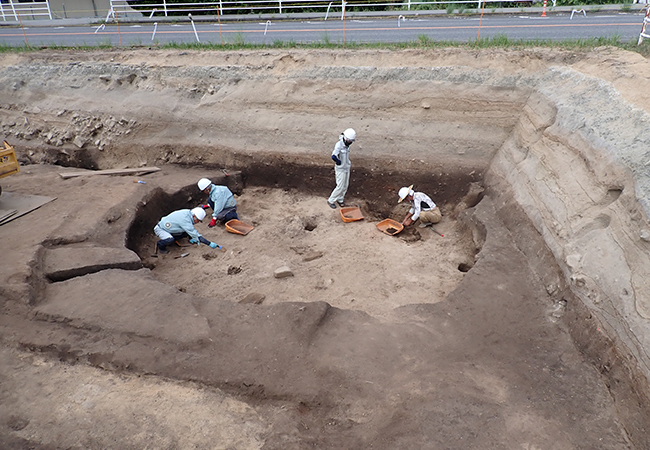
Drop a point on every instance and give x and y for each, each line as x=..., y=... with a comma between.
x=341, y=157
x=422, y=207
x=181, y=224
x=221, y=200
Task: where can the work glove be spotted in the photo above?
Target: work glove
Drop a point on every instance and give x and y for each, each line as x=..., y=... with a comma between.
x=212, y=223
x=214, y=245
x=336, y=160
x=205, y=206
x=195, y=241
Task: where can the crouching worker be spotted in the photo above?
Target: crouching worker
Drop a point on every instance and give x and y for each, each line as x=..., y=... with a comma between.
x=181, y=224
x=422, y=207
x=221, y=200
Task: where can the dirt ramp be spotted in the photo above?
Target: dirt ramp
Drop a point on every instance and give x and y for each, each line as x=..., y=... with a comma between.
x=124, y=302
x=88, y=407
x=63, y=263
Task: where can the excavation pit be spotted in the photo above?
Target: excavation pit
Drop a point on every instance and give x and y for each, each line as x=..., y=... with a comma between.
x=525, y=326
x=357, y=268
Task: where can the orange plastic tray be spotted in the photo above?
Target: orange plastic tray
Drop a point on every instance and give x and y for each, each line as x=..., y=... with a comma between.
x=238, y=227
x=351, y=214
x=390, y=227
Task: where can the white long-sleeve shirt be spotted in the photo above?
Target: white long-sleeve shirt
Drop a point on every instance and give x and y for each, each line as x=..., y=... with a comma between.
x=421, y=202
x=342, y=152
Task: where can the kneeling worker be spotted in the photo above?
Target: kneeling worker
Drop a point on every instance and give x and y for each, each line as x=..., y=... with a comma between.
x=221, y=200
x=180, y=224
x=422, y=207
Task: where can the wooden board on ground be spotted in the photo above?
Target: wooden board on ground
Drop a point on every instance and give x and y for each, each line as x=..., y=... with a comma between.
x=22, y=204
x=84, y=173
x=6, y=213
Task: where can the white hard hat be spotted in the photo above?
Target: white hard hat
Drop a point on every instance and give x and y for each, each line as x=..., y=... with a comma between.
x=404, y=192
x=204, y=183
x=350, y=134
x=199, y=213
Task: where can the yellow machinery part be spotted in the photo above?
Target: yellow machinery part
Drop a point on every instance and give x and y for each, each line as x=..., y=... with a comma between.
x=8, y=161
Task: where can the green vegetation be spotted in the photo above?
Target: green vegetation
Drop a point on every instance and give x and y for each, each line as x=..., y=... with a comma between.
x=423, y=41
x=238, y=39
x=426, y=5
x=104, y=44
x=277, y=43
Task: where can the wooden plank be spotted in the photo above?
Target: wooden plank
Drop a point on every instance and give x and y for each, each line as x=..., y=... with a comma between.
x=23, y=204
x=5, y=214
x=67, y=175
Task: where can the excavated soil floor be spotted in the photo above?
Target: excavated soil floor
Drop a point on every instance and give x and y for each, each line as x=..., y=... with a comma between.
x=414, y=341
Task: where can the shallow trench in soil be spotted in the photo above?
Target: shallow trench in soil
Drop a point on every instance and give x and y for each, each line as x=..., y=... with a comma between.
x=350, y=265
x=471, y=340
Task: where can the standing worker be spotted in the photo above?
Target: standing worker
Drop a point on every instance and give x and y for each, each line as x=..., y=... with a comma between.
x=180, y=224
x=422, y=207
x=341, y=157
x=221, y=200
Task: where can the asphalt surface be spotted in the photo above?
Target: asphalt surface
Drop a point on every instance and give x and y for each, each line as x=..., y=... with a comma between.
x=530, y=24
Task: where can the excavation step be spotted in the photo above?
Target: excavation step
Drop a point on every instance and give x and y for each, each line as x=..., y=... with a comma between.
x=131, y=302
x=63, y=263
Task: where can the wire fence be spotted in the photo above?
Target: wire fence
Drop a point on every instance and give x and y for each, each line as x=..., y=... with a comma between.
x=165, y=8
x=13, y=10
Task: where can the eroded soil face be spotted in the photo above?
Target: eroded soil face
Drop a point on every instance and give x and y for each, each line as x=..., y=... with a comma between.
x=411, y=341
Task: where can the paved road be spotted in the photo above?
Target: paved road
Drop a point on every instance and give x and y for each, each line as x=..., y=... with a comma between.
x=449, y=28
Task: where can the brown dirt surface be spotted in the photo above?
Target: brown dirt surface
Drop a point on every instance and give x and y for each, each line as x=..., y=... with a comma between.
x=411, y=341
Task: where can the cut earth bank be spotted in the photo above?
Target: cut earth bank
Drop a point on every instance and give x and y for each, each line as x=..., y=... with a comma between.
x=526, y=326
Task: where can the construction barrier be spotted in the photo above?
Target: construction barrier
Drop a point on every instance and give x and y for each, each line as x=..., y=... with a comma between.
x=645, y=23
x=14, y=10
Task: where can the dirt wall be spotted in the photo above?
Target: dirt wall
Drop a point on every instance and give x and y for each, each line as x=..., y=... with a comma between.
x=355, y=349
x=591, y=220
